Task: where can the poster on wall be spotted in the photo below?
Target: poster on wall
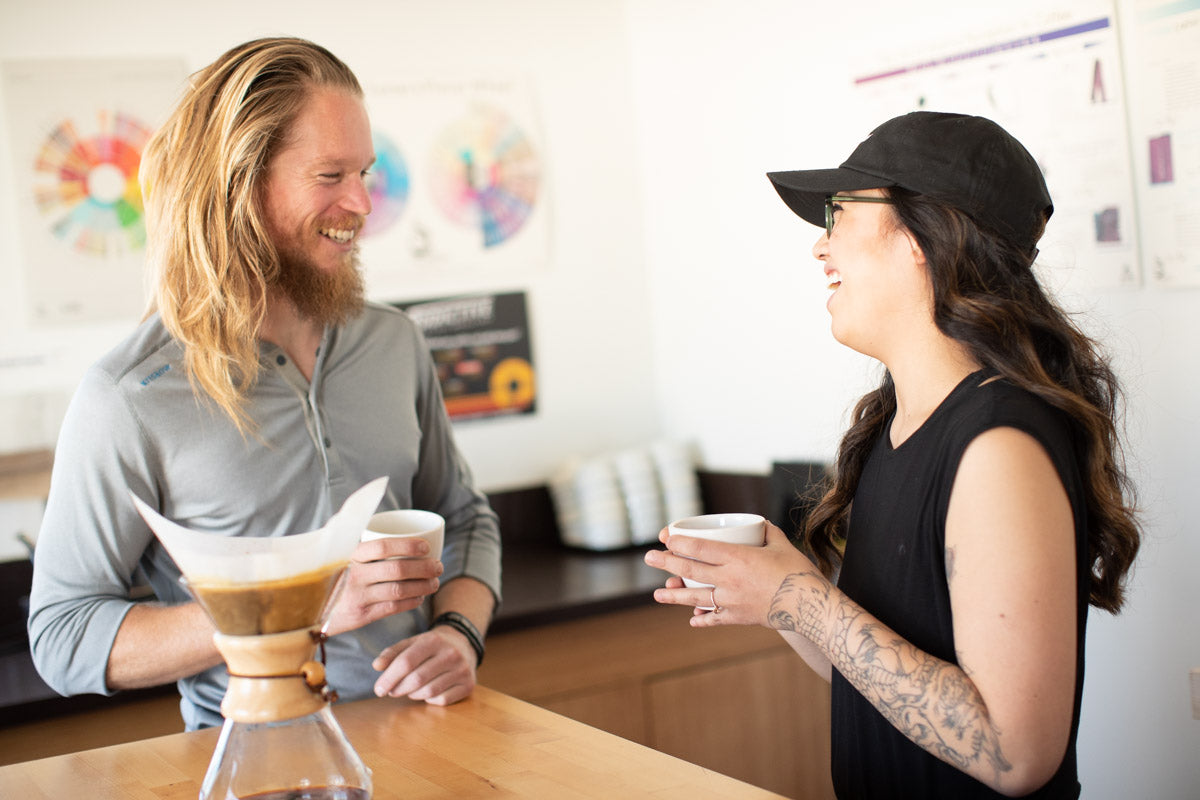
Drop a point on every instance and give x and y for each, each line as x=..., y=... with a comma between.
x=481, y=349
x=77, y=129
x=459, y=181
x=1074, y=124
x=1162, y=41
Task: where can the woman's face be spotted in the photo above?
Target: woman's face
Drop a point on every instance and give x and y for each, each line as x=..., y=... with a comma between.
x=877, y=274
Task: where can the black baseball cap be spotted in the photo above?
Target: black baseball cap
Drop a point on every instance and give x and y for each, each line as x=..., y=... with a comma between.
x=970, y=163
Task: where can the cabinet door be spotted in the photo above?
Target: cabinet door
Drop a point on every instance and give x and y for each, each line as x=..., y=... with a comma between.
x=763, y=719
x=616, y=709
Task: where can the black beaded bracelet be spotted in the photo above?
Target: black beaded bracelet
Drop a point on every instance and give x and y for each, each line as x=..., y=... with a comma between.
x=464, y=626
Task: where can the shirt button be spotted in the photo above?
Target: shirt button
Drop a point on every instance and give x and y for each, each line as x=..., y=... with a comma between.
x=280, y=360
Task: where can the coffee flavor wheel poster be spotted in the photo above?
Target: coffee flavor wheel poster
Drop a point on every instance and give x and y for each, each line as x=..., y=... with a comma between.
x=460, y=184
x=77, y=129
x=481, y=348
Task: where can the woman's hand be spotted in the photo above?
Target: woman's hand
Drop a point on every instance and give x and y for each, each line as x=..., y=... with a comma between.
x=745, y=579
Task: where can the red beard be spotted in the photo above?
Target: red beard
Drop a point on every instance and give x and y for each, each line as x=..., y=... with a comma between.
x=328, y=298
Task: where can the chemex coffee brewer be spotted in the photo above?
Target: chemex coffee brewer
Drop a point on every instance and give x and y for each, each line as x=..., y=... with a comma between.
x=268, y=598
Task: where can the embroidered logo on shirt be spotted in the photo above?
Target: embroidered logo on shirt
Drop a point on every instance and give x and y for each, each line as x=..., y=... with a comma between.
x=158, y=373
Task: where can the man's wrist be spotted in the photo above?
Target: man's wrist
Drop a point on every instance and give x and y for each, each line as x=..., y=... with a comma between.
x=463, y=625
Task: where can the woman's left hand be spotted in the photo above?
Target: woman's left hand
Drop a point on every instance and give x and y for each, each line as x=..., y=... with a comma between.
x=745, y=579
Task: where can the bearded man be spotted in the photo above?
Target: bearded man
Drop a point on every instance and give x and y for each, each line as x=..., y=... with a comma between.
x=257, y=395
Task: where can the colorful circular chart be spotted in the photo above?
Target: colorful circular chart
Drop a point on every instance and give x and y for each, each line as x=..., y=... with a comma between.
x=86, y=185
x=388, y=185
x=485, y=174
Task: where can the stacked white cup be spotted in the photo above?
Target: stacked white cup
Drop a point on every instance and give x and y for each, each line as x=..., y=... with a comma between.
x=613, y=501
x=638, y=478
x=677, y=478
x=590, y=508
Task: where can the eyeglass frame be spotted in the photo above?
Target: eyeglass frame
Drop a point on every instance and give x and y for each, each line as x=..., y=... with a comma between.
x=846, y=198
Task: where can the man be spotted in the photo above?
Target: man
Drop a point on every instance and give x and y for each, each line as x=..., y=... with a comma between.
x=259, y=393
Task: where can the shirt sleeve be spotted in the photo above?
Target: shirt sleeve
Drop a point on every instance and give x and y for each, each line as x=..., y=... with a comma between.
x=444, y=483
x=91, y=538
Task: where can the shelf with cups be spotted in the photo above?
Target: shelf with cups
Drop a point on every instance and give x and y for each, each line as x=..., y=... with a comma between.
x=548, y=581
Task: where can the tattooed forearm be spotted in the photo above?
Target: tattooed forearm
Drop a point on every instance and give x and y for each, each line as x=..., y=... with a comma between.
x=795, y=610
x=931, y=701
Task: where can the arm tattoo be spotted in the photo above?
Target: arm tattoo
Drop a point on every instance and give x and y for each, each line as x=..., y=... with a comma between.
x=932, y=702
x=803, y=614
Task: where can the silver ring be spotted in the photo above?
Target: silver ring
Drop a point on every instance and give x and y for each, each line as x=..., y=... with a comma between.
x=712, y=600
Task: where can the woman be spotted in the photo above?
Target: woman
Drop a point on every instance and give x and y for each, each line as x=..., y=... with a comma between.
x=980, y=502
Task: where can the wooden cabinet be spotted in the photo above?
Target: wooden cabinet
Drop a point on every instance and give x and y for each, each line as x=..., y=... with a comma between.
x=736, y=700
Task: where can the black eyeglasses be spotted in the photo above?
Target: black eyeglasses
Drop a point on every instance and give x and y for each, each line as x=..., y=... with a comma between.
x=834, y=199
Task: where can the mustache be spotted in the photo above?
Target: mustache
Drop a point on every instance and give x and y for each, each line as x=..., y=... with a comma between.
x=346, y=222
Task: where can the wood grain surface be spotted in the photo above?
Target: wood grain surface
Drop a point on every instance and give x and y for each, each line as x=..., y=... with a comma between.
x=490, y=745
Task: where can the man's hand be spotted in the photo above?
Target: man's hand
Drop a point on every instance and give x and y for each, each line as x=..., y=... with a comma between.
x=437, y=666
x=386, y=576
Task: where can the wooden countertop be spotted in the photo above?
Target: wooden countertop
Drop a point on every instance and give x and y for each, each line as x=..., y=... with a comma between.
x=490, y=745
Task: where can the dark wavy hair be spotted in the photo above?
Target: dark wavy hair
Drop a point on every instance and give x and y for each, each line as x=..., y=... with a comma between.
x=986, y=296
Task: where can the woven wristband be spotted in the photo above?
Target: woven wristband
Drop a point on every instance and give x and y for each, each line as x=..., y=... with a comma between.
x=464, y=626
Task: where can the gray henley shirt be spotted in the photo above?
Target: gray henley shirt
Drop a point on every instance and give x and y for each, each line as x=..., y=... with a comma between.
x=373, y=408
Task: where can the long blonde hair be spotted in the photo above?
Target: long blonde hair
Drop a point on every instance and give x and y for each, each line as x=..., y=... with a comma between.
x=207, y=240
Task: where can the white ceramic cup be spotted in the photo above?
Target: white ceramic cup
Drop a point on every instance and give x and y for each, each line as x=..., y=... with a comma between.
x=747, y=529
x=409, y=522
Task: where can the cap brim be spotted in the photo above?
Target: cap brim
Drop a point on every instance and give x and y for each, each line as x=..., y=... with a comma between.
x=805, y=191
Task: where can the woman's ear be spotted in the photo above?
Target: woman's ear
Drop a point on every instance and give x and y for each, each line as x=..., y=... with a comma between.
x=917, y=253
x=914, y=264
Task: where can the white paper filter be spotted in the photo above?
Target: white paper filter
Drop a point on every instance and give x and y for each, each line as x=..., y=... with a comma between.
x=203, y=557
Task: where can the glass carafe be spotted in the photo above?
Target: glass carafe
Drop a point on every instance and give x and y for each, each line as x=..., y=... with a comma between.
x=280, y=738
x=268, y=598
x=297, y=759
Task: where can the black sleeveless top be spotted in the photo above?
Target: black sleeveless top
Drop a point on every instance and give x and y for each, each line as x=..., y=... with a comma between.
x=895, y=568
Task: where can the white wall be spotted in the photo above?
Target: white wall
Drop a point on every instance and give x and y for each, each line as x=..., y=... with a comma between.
x=682, y=299
x=726, y=91
x=589, y=306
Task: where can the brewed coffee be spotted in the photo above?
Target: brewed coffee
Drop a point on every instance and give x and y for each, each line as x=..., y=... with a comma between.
x=312, y=793
x=249, y=609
